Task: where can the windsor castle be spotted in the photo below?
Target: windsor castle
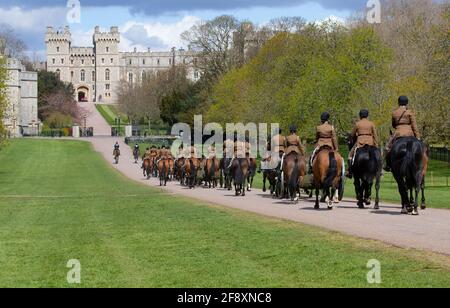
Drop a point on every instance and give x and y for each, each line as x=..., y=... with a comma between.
x=97, y=71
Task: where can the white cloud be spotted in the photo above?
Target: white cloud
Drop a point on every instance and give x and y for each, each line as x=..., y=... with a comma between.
x=169, y=34
x=32, y=20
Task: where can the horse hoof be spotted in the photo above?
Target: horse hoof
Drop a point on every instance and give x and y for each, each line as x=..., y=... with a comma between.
x=368, y=202
x=376, y=207
x=361, y=206
x=317, y=207
x=415, y=213
x=405, y=212
x=423, y=207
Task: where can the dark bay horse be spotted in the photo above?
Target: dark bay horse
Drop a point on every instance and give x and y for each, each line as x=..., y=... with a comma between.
x=327, y=170
x=367, y=169
x=136, y=155
x=271, y=176
x=294, y=170
x=225, y=174
x=253, y=167
x=239, y=174
x=409, y=160
x=212, y=172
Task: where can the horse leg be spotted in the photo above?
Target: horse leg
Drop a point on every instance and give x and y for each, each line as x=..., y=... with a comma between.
x=264, y=181
x=415, y=212
x=404, y=195
x=359, y=192
x=317, y=206
x=244, y=185
x=422, y=188
x=368, y=193
x=377, y=188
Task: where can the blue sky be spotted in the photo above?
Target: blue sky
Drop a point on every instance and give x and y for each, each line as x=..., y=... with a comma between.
x=153, y=23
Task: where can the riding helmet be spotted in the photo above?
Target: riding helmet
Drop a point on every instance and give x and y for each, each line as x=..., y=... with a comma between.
x=364, y=114
x=293, y=129
x=403, y=101
x=325, y=116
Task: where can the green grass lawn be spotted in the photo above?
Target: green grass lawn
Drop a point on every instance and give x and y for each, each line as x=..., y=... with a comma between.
x=110, y=113
x=59, y=200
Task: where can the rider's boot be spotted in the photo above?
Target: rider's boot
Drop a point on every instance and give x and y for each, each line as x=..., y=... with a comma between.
x=349, y=173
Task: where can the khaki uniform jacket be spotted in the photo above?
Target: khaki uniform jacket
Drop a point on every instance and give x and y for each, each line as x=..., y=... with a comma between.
x=326, y=135
x=365, y=133
x=164, y=153
x=240, y=149
x=228, y=148
x=404, y=122
x=294, y=144
x=278, y=143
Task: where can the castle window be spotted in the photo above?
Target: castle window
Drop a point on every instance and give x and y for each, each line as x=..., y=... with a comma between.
x=103, y=60
x=58, y=73
x=144, y=75
x=82, y=61
x=159, y=62
x=93, y=61
x=131, y=62
x=170, y=61
x=57, y=49
x=71, y=74
x=53, y=60
x=143, y=62
x=93, y=75
x=83, y=75
x=71, y=61
x=62, y=61
x=107, y=49
x=130, y=77
x=107, y=74
x=107, y=86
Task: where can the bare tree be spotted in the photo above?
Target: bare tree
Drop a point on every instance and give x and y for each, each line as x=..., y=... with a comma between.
x=9, y=43
x=213, y=39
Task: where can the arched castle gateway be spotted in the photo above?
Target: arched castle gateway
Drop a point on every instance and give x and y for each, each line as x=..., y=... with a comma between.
x=97, y=71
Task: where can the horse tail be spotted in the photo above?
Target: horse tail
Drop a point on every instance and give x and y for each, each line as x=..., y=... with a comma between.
x=332, y=170
x=212, y=171
x=407, y=166
x=191, y=167
x=293, y=180
x=239, y=178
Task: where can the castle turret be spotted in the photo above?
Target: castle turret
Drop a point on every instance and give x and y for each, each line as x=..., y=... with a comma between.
x=58, y=51
x=106, y=45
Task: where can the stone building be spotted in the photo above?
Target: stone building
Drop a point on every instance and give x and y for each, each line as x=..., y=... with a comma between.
x=21, y=116
x=97, y=71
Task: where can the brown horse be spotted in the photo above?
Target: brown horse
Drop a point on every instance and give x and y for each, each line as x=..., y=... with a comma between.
x=294, y=170
x=239, y=174
x=163, y=171
x=147, y=166
x=327, y=170
x=171, y=166
x=179, y=170
x=212, y=172
x=253, y=167
x=191, y=166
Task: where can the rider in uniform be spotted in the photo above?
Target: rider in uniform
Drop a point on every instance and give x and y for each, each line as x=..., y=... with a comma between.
x=212, y=151
x=293, y=142
x=116, y=148
x=278, y=143
x=325, y=136
x=405, y=125
x=364, y=133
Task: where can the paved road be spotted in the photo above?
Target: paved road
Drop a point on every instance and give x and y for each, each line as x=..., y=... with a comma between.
x=94, y=119
x=429, y=231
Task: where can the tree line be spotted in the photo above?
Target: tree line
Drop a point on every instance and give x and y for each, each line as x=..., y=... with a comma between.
x=289, y=71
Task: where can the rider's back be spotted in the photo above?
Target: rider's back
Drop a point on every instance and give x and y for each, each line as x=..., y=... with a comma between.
x=404, y=122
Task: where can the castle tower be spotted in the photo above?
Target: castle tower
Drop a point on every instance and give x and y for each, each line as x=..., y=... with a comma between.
x=58, y=51
x=106, y=48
